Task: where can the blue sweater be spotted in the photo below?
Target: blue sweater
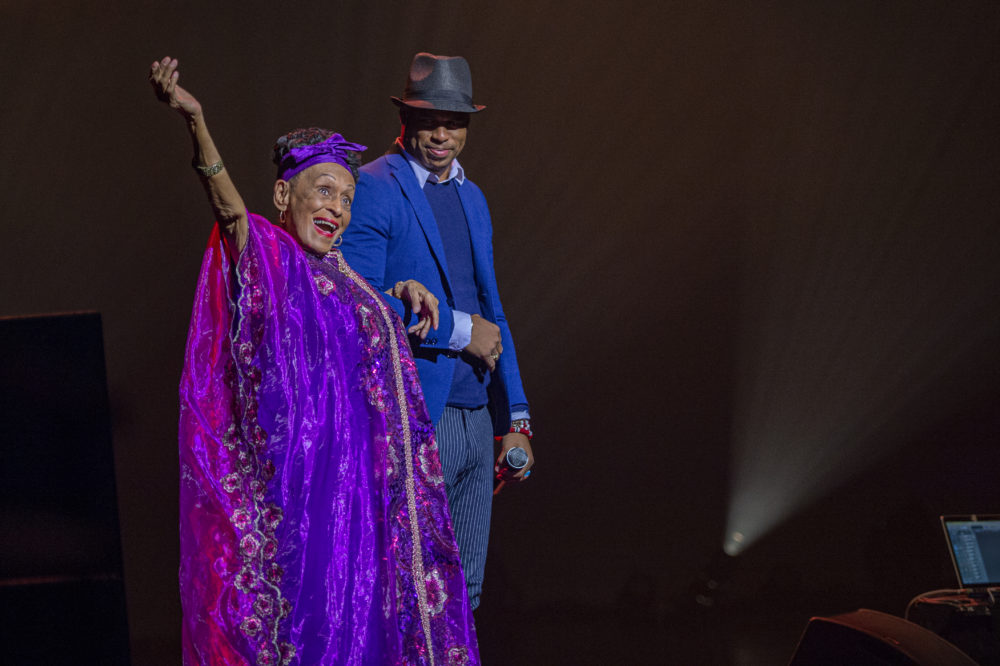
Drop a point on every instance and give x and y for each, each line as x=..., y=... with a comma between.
x=468, y=387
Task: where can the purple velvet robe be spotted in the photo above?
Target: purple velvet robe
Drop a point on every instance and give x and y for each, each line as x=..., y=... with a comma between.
x=313, y=521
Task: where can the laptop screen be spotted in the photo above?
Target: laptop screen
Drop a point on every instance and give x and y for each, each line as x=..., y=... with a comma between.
x=974, y=541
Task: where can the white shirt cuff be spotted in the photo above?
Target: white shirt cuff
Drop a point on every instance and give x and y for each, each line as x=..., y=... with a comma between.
x=461, y=334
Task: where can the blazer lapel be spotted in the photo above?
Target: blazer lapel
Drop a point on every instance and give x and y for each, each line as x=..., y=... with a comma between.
x=475, y=216
x=403, y=174
x=480, y=237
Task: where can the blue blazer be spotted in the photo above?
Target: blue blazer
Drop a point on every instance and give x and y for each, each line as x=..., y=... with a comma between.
x=392, y=237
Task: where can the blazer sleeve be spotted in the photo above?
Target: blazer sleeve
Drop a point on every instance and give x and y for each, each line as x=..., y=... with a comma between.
x=516, y=399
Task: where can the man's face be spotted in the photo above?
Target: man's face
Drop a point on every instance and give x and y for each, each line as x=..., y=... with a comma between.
x=435, y=138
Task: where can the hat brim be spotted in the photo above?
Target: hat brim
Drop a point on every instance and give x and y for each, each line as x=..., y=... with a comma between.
x=442, y=105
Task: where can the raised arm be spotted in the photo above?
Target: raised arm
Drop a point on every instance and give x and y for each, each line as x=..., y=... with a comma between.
x=227, y=204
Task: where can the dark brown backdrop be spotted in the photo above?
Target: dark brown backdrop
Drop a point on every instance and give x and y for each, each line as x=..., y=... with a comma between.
x=725, y=232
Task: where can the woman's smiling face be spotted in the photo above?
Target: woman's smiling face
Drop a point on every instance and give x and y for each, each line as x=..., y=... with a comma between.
x=317, y=205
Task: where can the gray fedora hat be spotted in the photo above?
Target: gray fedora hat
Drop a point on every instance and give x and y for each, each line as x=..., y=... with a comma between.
x=443, y=83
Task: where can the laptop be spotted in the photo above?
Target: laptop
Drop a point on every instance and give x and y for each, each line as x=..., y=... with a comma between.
x=974, y=543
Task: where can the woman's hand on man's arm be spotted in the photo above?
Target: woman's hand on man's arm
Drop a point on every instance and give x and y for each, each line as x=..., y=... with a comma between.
x=422, y=302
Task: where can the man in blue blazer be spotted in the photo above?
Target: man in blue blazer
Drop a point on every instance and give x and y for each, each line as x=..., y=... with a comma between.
x=417, y=216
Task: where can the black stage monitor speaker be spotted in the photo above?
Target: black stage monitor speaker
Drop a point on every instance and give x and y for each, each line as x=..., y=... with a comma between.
x=62, y=598
x=970, y=623
x=870, y=638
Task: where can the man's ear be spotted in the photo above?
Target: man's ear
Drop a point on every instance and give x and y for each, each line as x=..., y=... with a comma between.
x=282, y=194
x=403, y=116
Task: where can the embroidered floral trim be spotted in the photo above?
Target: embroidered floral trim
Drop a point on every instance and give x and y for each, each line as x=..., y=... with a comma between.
x=458, y=656
x=325, y=285
x=437, y=593
x=430, y=464
x=254, y=520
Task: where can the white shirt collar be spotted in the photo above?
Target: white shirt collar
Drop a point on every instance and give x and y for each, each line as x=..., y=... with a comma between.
x=423, y=175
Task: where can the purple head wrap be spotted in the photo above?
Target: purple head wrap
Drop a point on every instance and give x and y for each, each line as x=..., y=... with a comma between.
x=333, y=149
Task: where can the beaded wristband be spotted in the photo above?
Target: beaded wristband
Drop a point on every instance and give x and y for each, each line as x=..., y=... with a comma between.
x=522, y=426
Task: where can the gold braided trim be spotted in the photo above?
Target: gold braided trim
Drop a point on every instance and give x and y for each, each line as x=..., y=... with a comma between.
x=417, y=561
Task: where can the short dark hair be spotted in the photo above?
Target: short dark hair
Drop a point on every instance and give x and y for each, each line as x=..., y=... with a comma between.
x=307, y=136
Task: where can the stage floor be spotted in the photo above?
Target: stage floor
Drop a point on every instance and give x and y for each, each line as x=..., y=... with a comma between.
x=734, y=636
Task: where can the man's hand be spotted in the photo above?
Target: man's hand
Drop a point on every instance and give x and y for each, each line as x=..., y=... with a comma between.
x=509, y=441
x=485, y=343
x=423, y=304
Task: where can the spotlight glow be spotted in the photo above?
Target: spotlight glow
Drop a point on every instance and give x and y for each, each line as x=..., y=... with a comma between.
x=848, y=323
x=733, y=544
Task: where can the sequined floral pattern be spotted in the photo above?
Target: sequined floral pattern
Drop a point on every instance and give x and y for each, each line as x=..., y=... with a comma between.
x=324, y=284
x=437, y=593
x=459, y=656
x=430, y=463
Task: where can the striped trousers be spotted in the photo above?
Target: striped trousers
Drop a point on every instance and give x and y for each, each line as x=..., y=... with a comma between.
x=465, y=444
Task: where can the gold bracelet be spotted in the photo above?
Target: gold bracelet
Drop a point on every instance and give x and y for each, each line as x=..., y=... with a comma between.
x=207, y=171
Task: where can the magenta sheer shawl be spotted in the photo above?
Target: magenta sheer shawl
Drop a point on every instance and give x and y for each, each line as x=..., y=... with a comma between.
x=314, y=527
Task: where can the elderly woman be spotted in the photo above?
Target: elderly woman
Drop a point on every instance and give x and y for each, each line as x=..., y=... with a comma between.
x=313, y=520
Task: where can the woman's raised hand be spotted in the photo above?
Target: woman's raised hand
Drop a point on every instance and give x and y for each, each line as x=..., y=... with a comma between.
x=163, y=77
x=228, y=206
